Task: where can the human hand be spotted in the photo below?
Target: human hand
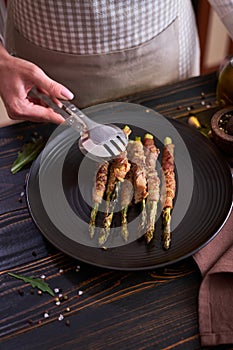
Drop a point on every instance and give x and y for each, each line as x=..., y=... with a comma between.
x=17, y=78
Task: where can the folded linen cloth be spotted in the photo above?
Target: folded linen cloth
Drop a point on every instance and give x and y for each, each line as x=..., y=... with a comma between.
x=215, y=305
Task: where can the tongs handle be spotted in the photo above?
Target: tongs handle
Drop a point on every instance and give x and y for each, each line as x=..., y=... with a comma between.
x=74, y=111
x=73, y=116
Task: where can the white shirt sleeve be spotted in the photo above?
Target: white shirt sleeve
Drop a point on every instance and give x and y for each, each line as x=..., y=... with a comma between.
x=3, y=14
x=224, y=9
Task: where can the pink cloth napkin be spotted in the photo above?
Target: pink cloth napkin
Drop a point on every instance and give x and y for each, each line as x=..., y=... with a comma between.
x=215, y=307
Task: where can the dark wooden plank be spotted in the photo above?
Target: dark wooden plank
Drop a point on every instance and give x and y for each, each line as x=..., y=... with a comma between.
x=112, y=309
x=173, y=99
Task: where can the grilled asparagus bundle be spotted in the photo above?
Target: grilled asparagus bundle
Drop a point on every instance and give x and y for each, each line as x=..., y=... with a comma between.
x=139, y=182
x=153, y=184
x=170, y=182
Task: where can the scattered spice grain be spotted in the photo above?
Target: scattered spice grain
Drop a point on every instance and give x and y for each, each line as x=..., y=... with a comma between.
x=21, y=292
x=61, y=317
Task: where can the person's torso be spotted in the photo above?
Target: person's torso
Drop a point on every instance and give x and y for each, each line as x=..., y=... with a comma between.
x=106, y=49
x=93, y=26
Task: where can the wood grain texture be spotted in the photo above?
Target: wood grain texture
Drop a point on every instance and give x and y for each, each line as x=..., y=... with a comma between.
x=154, y=309
x=130, y=310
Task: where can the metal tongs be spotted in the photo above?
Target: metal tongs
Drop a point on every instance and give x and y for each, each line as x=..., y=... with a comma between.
x=97, y=141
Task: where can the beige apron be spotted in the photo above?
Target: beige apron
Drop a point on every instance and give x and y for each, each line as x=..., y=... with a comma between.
x=105, y=77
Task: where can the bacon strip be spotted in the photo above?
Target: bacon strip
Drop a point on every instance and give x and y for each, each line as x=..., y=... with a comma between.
x=168, y=170
x=168, y=166
x=100, y=182
x=153, y=185
x=153, y=181
x=118, y=170
x=137, y=157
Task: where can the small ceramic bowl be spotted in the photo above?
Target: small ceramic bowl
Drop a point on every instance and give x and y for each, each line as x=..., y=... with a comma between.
x=221, y=121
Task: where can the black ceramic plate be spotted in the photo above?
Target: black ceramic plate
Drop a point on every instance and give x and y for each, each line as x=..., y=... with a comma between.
x=60, y=184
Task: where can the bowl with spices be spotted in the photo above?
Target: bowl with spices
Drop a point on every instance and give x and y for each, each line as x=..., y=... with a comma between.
x=222, y=129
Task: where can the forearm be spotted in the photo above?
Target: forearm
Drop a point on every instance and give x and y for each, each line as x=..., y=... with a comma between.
x=4, y=55
x=6, y=64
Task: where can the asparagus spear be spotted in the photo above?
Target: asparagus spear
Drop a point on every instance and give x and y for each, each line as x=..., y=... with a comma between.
x=152, y=212
x=140, y=181
x=98, y=192
x=167, y=228
x=94, y=213
x=168, y=169
x=124, y=223
x=126, y=197
x=105, y=231
x=153, y=183
x=142, y=222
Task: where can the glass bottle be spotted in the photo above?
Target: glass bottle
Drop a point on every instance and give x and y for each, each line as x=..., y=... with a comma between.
x=224, y=92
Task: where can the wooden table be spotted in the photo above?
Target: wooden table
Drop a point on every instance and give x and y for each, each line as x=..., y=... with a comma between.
x=102, y=309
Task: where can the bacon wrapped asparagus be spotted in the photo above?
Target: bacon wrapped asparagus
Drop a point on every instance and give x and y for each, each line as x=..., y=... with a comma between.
x=126, y=198
x=118, y=170
x=153, y=184
x=98, y=193
x=136, y=155
x=140, y=181
x=168, y=167
x=137, y=177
